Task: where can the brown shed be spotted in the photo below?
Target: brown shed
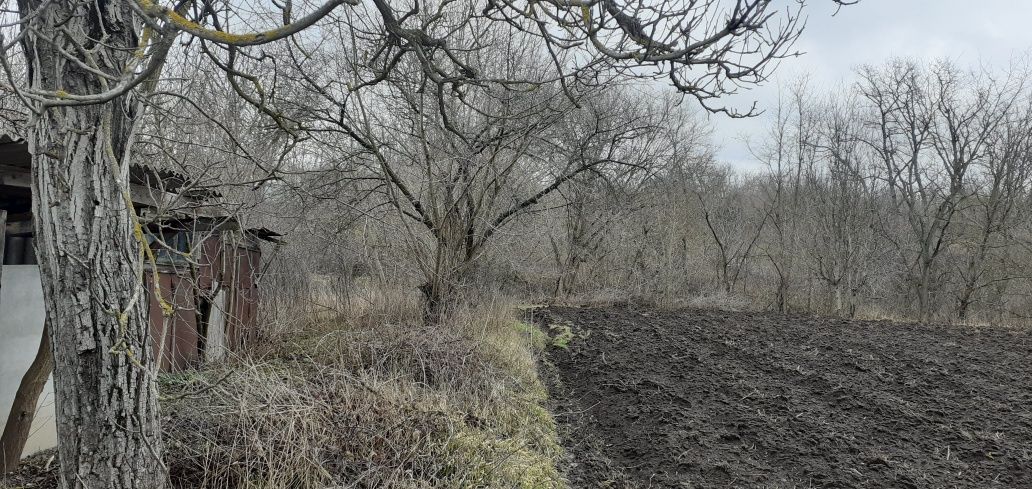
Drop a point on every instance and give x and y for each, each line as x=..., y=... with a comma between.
x=206, y=265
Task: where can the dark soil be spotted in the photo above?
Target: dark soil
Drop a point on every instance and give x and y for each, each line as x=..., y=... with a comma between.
x=700, y=399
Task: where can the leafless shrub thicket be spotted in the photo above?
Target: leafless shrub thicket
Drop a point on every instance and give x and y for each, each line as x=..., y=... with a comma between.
x=907, y=196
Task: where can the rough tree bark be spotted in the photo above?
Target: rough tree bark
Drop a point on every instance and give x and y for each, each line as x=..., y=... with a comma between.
x=86, y=242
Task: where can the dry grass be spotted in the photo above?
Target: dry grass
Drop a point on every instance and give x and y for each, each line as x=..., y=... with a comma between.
x=720, y=300
x=695, y=299
x=370, y=399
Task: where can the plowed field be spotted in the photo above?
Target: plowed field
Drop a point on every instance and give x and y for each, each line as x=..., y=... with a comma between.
x=706, y=399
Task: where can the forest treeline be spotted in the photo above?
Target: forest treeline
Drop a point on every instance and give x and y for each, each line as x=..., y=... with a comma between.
x=905, y=195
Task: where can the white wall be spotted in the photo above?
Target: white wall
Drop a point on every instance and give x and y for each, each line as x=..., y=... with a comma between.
x=21, y=324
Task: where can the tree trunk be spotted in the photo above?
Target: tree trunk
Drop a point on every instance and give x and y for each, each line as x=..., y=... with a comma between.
x=434, y=303
x=964, y=304
x=23, y=410
x=569, y=275
x=90, y=261
x=782, y=297
x=837, y=304
x=924, y=311
x=974, y=267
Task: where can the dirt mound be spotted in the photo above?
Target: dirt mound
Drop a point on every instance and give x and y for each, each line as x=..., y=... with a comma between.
x=719, y=399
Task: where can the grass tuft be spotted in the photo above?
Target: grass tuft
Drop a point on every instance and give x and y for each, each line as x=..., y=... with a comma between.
x=562, y=335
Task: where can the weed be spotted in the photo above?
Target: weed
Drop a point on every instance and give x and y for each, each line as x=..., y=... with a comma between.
x=537, y=338
x=562, y=335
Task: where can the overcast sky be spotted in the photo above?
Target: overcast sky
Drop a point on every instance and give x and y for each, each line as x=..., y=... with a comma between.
x=969, y=32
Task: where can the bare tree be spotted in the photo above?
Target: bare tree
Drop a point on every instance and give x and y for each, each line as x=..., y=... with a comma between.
x=929, y=128
x=598, y=199
x=592, y=204
x=459, y=172
x=1003, y=177
x=80, y=198
x=843, y=209
x=790, y=152
x=735, y=221
x=23, y=409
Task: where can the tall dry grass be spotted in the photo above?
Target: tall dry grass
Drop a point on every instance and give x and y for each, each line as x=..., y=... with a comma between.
x=369, y=397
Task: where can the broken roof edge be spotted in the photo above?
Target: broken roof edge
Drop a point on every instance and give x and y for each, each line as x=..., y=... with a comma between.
x=265, y=234
x=15, y=153
x=203, y=223
x=154, y=189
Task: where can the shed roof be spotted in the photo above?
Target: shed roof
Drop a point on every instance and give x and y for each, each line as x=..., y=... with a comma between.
x=14, y=154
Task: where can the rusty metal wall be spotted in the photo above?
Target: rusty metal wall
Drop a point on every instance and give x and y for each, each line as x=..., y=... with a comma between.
x=179, y=330
x=221, y=264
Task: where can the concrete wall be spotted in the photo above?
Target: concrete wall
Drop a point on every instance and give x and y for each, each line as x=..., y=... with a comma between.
x=21, y=324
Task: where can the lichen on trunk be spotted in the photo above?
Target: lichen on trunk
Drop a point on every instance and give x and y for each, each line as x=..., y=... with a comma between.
x=90, y=261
